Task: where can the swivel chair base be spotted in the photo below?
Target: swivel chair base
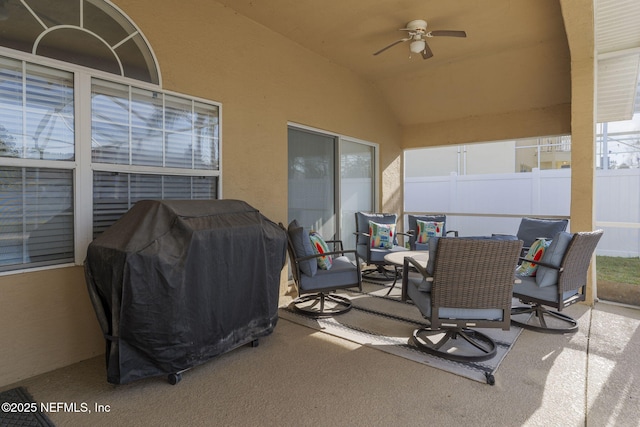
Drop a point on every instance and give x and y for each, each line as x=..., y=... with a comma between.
x=481, y=346
x=550, y=321
x=380, y=273
x=321, y=305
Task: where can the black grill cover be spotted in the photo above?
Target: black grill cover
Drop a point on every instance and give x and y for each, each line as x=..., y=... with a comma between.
x=175, y=283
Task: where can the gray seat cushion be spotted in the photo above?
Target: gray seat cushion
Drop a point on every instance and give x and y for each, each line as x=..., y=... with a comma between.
x=343, y=272
x=378, y=254
x=423, y=301
x=529, y=287
x=417, y=280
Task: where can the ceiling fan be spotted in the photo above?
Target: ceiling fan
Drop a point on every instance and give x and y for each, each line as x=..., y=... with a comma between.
x=417, y=33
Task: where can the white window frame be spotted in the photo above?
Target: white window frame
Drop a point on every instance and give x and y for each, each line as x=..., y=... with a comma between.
x=82, y=165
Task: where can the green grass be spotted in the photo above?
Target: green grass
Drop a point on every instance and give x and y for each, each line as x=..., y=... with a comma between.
x=618, y=270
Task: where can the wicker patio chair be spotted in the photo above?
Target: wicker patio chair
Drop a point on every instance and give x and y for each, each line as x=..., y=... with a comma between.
x=560, y=281
x=467, y=283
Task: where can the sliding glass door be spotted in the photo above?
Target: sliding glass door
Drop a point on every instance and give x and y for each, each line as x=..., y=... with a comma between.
x=312, y=181
x=357, y=170
x=330, y=178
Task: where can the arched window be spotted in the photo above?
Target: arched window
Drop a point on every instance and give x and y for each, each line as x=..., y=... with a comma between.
x=67, y=173
x=91, y=33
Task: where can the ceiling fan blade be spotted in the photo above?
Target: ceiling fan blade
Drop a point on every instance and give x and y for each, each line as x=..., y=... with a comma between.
x=426, y=53
x=447, y=33
x=391, y=45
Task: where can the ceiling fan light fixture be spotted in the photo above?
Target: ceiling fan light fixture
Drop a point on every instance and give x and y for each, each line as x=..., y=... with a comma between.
x=417, y=36
x=417, y=24
x=417, y=46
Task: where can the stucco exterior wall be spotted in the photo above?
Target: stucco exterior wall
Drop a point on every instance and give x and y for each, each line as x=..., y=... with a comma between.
x=47, y=322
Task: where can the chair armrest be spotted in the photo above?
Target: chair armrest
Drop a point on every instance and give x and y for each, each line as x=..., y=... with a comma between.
x=308, y=257
x=358, y=233
x=335, y=242
x=455, y=232
x=544, y=264
x=410, y=260
x=405, y=277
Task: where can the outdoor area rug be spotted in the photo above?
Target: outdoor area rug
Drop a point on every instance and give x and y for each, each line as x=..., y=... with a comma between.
x=386, y=323
x=20, y=410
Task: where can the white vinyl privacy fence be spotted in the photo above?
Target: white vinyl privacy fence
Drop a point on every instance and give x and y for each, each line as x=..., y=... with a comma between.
x=495, y=203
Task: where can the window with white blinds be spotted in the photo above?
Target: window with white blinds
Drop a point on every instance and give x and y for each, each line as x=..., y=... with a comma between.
x=36, y=111
x=78, y=145
x=36, y=203
x=36, y=217
x=132, y=126
x=145, y=144
x=175, y=138
x=115, y=193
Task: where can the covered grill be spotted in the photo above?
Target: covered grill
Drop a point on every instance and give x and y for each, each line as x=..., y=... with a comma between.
x=176, y=283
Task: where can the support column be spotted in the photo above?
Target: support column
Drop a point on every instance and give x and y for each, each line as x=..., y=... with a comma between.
x=579, y=24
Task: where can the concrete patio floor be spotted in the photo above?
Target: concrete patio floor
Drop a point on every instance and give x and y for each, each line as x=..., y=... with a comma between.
x=301, y=377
